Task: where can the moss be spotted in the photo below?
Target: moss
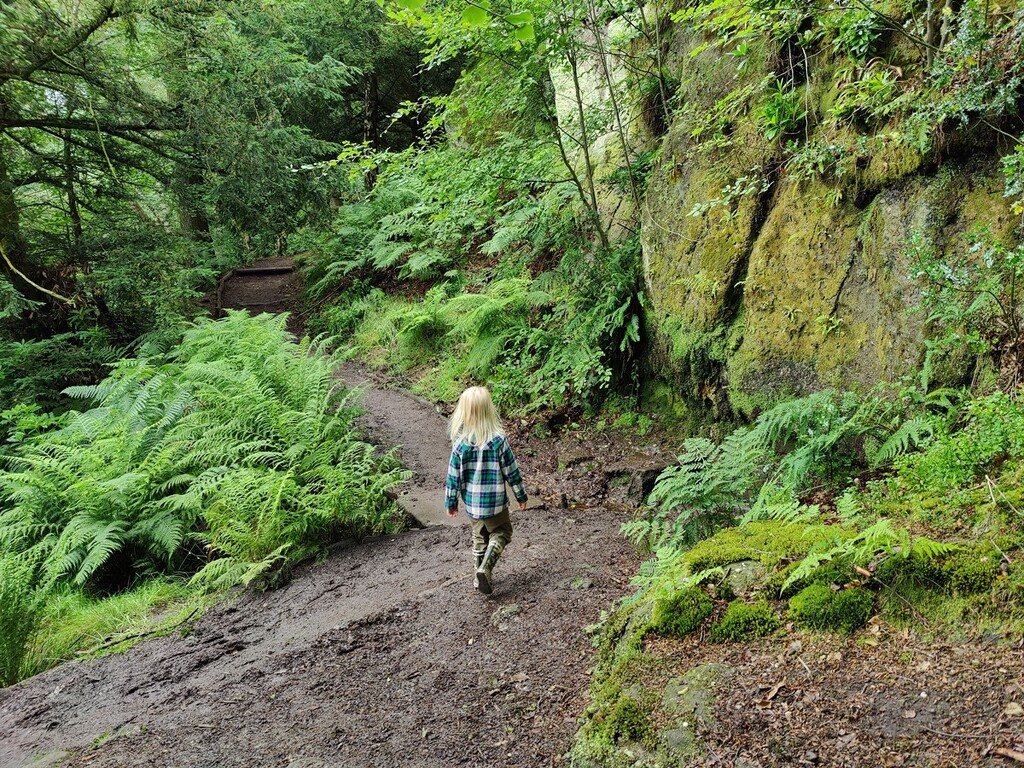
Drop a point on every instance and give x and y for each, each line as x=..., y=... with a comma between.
x=725, y=591
x=623, y=633
x=627, y=721
x=971, y=571
x=682, y=612
x=743, y=621
x=888, y=163
x=772, y=586
x=769, y=542
x=821, y=607
x=836, y=571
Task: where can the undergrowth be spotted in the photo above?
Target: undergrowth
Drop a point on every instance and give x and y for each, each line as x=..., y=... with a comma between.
x=519, y=297
x=225, y=461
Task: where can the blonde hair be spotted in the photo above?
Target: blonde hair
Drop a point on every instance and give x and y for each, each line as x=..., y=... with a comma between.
x=475, y=420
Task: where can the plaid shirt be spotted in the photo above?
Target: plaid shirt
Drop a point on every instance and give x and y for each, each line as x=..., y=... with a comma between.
x=478, y=474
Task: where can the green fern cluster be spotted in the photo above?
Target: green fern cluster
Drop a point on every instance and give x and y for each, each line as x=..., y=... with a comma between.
x=238, y=440
x=760, y=472
x=33, y=373
x=431, y=209
x=537, y=341
x=19, y=614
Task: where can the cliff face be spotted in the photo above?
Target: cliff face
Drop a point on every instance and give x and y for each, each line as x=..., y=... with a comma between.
x=761, y=284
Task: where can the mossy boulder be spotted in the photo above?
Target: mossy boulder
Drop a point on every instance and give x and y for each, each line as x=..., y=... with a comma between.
x=968, y=570
x=767, y=542
x=744, y=621
x=682, y=612
x=688, y=705
x=823, y=608
x=742, y=577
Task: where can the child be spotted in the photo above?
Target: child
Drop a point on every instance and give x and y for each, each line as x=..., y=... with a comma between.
x=481, y=462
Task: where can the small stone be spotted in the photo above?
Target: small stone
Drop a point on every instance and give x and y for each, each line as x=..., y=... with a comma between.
x=501, y=617
x=574, y=456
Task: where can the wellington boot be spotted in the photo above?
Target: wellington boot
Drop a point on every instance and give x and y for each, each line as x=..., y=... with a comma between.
x=483, y=571
x=478, y=559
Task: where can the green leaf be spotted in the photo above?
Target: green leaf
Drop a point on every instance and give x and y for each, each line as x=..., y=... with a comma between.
x=525, y=33
x=411, y=5
x=523, y=17
x=476, y=15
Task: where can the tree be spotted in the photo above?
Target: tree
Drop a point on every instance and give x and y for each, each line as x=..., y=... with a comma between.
x=183, y=118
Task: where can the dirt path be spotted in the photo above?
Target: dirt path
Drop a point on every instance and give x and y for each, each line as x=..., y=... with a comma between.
x=395, y=417
x=382, y=656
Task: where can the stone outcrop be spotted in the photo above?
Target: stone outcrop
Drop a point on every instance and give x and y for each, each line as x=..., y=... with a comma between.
x=762, y=286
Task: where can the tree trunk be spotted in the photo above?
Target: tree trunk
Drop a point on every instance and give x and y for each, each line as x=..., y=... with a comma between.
x=14, y=261
x=69, y=190
x=195, y=225
x=371, y=124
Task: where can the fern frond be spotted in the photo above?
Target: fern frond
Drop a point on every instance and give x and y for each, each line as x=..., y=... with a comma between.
x=912, y=433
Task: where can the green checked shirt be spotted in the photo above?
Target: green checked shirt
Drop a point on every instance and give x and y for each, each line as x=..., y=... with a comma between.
x=478, y=474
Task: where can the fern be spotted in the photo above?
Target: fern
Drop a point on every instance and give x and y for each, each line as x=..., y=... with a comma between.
x=880, y=539
x=196, y=446
x=912, y=433
x=19, y=613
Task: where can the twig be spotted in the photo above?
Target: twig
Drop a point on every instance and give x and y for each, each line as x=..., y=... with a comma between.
x=1013, y=754
x=955, y=735
x=917, y=614
x=809, y=673
x=991, y=484
x=28, y=280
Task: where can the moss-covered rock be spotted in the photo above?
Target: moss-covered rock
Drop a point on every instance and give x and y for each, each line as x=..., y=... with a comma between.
x=682, y=612
x=687, y=705
x=800, y=284
x=970, y=571
x=767, y=542
x=820, y=607
x=743, y=621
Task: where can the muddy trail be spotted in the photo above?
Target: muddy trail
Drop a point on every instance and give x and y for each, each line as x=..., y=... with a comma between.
x=381, y=656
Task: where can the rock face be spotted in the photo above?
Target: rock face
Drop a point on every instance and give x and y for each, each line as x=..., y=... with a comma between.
x=761, y=285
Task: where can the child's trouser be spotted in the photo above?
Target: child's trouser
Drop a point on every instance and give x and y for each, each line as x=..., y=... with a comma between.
x=497, y=529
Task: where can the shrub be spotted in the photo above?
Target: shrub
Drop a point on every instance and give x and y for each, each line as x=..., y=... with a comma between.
x=743, y=621
x=682, y=612
x=820, y=607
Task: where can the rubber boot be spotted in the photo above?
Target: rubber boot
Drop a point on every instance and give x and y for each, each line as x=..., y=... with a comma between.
x=478, y=559
x=483, y=571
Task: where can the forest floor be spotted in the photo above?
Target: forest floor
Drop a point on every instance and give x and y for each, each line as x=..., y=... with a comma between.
x=385, y=656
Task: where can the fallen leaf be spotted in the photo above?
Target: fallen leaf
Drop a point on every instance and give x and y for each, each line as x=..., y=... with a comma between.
x=1013, y=709
x=909, y=714
x=774, y=691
